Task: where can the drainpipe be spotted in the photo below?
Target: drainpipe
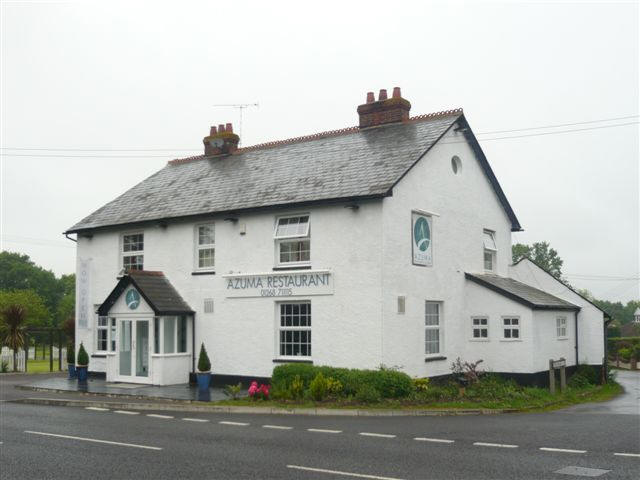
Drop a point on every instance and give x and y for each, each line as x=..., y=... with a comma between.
x=193, y=343
x=575, y=314
x=69, y=238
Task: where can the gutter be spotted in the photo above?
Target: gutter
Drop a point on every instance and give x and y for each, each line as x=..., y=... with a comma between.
x=575, y=315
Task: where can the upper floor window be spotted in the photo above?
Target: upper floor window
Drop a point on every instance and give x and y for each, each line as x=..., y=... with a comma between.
x=205, y=247
x=293, y=240
x=561, y=327
x=133, y=251
x=490, y=250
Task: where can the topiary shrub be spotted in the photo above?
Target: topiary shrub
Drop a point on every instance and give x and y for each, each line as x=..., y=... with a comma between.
x=83, y=357
x=318, y=387
x=204, y=364
x=71, y=354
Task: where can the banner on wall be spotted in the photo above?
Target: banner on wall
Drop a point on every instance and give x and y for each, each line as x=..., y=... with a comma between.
x=84, y=273
x=421, y=239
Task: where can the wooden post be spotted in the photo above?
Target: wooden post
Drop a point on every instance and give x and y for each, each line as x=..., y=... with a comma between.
x=26, y=352
x=552, y=378
x=563, y=379
x=51, y=350
x=59, y=350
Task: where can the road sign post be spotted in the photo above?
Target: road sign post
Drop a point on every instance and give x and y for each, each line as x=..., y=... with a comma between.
x=561, y=365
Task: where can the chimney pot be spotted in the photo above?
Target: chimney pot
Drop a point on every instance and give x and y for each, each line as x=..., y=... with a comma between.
x=370, y=97
x=221, y=128
x=384, y=111
x=213, y=131
x=229, y=128
x=396, y=92
x=382, y=95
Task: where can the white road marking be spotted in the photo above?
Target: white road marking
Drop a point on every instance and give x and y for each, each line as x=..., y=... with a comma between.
x=277, y=427
x=323, y=430
x=434, y=440
x=71, y=437
x=97, y=409
x=562, y=450
x=346, y=474
x=126, y=412
x=155, y=415
x=381, y=435
x=627, y=454
x=238, y=424
x=201, y=420
x=498, y=445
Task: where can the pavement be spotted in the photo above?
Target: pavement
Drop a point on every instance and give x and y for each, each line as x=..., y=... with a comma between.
x=77, y=442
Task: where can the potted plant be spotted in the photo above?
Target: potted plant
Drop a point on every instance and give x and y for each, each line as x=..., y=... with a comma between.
x=71, y=361
x=82, y=364
x=204, y=370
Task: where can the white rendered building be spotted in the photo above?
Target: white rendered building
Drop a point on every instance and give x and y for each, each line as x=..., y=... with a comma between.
x=387, y=243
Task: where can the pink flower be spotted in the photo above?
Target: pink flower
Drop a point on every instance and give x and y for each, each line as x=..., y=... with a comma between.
x=253, y=388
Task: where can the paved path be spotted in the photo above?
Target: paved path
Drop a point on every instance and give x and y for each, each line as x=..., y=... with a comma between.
x=628, y=403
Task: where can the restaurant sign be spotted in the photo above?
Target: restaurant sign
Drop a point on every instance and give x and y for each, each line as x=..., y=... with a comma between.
x=279, y=284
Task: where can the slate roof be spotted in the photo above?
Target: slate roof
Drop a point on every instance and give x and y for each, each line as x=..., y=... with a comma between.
x=341, y=165
x=521, y=292
x=155, y=288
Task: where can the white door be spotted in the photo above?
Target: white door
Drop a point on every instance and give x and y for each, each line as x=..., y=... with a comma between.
x=133, y=351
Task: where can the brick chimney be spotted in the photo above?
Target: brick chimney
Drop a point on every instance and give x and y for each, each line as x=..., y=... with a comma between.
x=221, y=140
x=385, y=110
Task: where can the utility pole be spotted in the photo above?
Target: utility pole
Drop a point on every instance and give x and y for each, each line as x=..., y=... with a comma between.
x=240, y=107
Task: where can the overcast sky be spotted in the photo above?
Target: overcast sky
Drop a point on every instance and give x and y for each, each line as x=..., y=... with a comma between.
x=146, y=75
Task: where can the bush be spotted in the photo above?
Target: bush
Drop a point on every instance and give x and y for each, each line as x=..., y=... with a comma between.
x=296, y=389
x=420, y=384
x=495, y=387
x=4, y=366
x=233, y=391
x=318, y=387
x=579, y=381
x=589, y=372
x=83, y=357
x=625, y=354
x=204, y=364
x=71, y=354
x=367, y=394
x=388, y=383
x=334, y=387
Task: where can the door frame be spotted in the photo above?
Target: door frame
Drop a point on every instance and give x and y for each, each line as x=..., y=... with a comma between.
x=134, y=328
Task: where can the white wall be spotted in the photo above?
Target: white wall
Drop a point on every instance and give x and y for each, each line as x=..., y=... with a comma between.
x=547, y=344
x=466, y=204
x=590, y=318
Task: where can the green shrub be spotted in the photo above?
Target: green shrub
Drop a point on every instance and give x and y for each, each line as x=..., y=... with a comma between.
x=625, y=354
x=318, y=387
x=334, y=387
x=83, y=357
x=589, y=372
x=495, y=387
x=283, y=375
x=579, y=381
x=233, y=391
x=204, y=364
x=420, y=384
x=296, y=389
x=71, y=355
x=4, y=366
x=367, y=394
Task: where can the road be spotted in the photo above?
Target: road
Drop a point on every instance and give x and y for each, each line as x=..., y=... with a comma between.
x=65, y=442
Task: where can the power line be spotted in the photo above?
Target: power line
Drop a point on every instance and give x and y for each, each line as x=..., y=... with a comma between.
x=73, y=149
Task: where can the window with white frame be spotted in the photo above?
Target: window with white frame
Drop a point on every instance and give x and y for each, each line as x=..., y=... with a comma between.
x=490, y=250
x=293, y=240
x=205, y=247
x=561, y=327
x=133, y=251
x=480, y=328
x=294, y=333
x=170, y=335
x=511, y=328
x=106, y=334
x=432, y=328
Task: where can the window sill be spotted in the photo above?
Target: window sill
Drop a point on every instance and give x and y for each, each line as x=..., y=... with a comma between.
x=169, y=355
x=99, y=355
x=435, y=359
x=562, y=338
x=292, y=267
x=292, y=360
x=203, y=272
x=479, y=340
x=508, y=340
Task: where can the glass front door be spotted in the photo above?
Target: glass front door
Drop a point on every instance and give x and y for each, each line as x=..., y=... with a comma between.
x=133, y=350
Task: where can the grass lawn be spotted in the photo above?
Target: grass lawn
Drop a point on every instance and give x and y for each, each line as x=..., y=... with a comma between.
x=41, y=366
x=531, y=399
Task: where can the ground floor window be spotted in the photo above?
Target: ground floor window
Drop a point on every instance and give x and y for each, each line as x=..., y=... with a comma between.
x=511, y=328
x=170, y=334
x=295, y=329
x=480, y=330
x=561, y=327
x=433, y=328
x=106, y=334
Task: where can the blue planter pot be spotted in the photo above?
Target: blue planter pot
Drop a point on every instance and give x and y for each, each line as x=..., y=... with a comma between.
x=72, y=371
x=204, y=379
x=82, y=373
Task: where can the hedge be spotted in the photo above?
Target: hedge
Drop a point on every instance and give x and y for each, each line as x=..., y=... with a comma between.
x=388, y=383
x=614, y=343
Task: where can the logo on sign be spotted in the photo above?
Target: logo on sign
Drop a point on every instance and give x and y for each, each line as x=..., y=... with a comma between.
x=421, y=236
x=133, y=299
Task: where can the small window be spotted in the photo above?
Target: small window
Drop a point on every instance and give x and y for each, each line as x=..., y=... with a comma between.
x=133, y=251
x=112, y=334
x=156, y=335
x=433, y=328
x=102, y=334
x=169, y=331
x=182, y=335
x=490, y=250
x=294, y=333
x=480, y=328
x=511, y=328
x=456, y=164
x=208, y=305
x=293, y=242
x=205, y=247
x=401, y=304
x=561, y=327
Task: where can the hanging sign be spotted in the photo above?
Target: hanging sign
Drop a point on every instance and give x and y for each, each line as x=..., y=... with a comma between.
x=279, y=284
x=421, y=239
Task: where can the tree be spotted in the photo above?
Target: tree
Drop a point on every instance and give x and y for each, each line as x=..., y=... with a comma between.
x=13, y=325
x=35, y=311
x=67, y=304
x=540, y=253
